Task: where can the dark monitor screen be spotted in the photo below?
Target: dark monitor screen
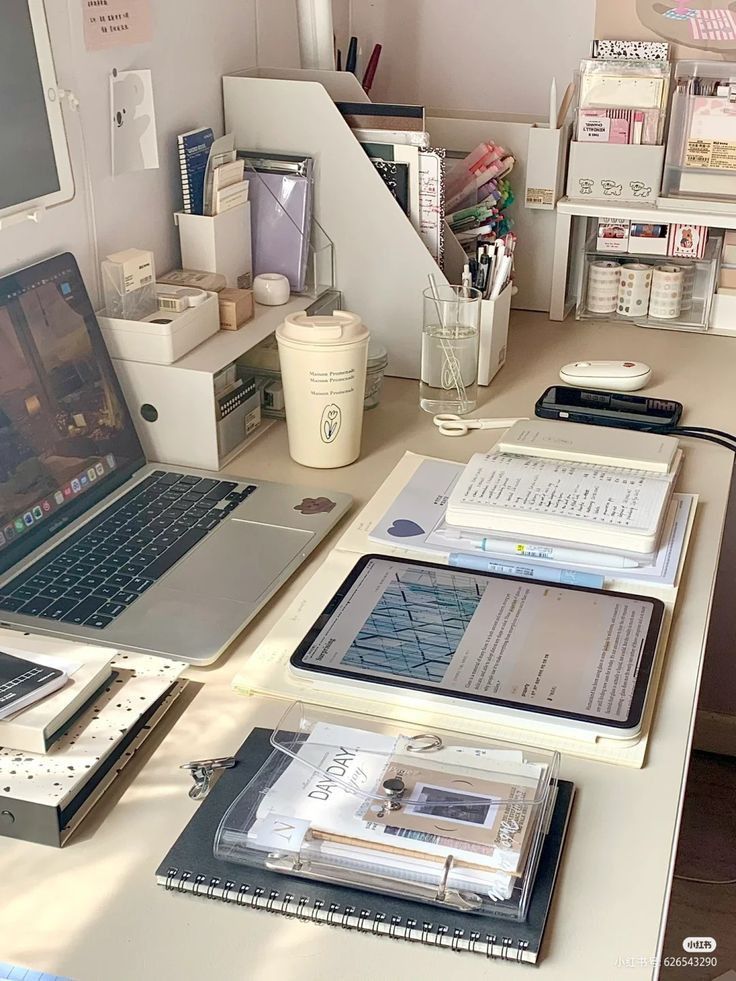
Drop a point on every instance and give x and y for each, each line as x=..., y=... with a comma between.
x=66, y=436
x=27, y=161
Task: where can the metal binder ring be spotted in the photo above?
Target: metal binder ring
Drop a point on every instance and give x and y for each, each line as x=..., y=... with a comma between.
x=442, y=888
x=214, y=883
x=425, y=742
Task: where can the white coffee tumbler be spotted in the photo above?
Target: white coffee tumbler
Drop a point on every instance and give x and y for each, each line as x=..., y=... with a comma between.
x=323, y=370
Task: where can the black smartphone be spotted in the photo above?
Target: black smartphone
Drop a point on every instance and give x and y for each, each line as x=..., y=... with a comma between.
x=619, y=409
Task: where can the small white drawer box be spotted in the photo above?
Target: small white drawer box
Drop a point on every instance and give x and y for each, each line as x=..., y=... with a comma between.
x=615, y=172
x=141, y=340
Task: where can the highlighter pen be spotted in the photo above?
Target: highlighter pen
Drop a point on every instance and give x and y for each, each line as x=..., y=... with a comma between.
x=564, y=577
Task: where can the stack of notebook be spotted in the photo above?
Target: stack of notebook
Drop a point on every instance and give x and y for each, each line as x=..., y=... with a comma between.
x=59, y=755
x=600, y=488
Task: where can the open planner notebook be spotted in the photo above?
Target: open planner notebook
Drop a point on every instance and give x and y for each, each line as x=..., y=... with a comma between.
x=585, y=503
x=267, y=671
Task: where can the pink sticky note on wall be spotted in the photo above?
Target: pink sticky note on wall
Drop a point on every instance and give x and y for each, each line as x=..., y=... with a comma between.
x=116, y=23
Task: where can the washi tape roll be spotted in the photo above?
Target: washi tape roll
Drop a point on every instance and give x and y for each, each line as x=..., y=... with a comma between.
x=688, y=284
x=667, y=286
x=603, y=281
x=634, y=289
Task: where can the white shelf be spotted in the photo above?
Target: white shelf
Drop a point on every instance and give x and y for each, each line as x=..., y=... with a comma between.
x=227, y=345
x=647, y=213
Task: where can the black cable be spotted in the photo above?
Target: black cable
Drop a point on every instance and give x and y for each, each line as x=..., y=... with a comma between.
x=681, y=431
x=707, y=429
x=717, y=436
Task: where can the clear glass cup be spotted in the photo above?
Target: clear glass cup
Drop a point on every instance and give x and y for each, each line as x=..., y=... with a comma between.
x=450, y=336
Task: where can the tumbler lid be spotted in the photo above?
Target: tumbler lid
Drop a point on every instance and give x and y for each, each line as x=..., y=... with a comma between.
x=340, y=327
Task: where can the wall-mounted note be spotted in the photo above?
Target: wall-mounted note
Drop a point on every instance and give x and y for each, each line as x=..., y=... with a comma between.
x=115, y=23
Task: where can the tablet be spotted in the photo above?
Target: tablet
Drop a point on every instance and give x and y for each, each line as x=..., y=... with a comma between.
x=566, y=654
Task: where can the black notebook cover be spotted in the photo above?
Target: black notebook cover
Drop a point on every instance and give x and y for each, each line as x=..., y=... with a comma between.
x=192, y=867
x=20, y=678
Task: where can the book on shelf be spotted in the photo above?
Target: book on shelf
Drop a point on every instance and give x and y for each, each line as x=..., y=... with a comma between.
x=194, y=148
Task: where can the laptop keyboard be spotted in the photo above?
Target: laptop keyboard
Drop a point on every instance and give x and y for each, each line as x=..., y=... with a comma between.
x=100, y=571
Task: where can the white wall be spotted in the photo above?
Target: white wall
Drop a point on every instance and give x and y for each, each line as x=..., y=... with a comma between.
x=195, y=42
x=473, y=54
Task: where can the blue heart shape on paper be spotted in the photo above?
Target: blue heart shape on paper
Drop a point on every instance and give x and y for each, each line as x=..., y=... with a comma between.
x=403, y=528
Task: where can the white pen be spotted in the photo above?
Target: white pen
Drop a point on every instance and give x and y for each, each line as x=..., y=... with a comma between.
x=502, y=276
x=547, y=553
x=553, y=104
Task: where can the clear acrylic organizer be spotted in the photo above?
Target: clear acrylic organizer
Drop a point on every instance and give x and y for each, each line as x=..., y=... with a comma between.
x=454, y=821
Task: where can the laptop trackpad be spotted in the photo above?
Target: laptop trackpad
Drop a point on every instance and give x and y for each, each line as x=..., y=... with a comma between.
x=239, y=561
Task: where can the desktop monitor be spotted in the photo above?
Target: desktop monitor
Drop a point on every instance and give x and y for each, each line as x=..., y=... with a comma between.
x=35, y=169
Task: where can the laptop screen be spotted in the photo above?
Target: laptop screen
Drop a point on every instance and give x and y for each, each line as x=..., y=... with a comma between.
x=66, y=436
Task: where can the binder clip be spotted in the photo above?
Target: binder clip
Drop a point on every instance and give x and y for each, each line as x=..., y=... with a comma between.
x=202, y=772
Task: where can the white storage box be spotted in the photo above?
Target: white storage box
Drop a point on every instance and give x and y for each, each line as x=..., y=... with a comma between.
x=219, y=244
x=141, y=340
x=615, y=172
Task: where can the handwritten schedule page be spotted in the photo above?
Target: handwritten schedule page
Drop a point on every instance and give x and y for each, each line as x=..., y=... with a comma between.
x=630, y=499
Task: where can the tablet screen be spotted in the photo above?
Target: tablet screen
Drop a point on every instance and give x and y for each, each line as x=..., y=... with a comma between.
x=559, y=650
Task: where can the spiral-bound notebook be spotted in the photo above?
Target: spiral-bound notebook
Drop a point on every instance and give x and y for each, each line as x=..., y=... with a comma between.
x=191, y=867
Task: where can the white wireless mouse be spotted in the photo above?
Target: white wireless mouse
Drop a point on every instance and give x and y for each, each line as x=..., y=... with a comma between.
x=612, y=376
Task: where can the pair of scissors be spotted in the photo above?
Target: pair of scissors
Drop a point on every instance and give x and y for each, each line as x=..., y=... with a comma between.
x=451, y=425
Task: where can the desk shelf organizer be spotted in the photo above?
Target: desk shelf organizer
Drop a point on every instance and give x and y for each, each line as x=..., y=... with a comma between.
x=695, y=316
x=381, y=263
x=175, y=407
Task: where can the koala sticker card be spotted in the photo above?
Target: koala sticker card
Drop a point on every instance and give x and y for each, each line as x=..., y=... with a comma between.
x=133, y=122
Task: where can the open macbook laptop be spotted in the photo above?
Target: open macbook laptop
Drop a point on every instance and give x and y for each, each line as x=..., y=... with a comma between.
x=95, y=543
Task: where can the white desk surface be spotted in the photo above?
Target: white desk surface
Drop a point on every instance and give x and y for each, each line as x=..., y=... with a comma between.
x=92, y=911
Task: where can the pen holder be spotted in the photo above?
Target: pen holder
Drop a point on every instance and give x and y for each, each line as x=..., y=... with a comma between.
x=494, y=334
